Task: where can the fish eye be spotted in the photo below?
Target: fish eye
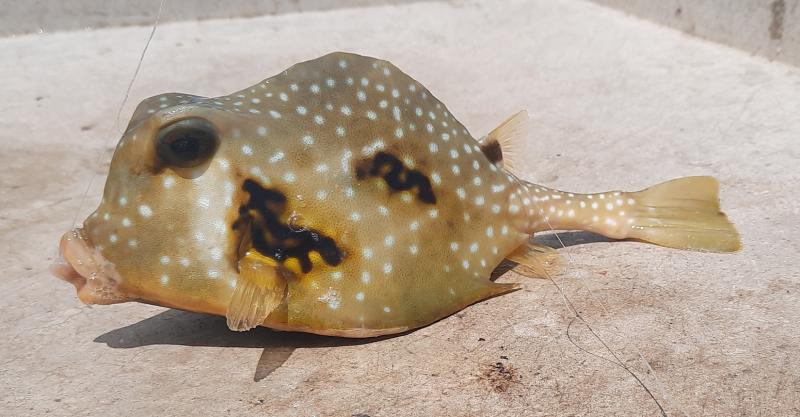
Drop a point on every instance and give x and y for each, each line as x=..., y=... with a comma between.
x=186, y=143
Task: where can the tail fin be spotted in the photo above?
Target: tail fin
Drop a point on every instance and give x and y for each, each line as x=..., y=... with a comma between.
x=683, y=213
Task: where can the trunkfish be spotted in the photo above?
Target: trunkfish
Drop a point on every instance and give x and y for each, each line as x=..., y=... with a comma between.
x=340, y=197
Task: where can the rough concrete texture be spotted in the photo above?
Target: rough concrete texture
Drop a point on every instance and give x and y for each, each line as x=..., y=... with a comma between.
x=616, y=103
x=766, y=27
x=17, y=18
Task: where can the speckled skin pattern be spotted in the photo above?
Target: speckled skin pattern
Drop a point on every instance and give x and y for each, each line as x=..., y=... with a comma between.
x=417, y=244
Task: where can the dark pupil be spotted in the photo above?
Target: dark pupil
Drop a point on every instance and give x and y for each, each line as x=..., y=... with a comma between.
x=186, y=148
x=186, y=143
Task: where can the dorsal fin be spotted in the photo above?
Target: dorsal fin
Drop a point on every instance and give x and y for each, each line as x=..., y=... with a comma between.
x=498, y=145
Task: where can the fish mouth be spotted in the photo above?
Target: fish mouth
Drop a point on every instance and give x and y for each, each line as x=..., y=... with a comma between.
x=81, y=264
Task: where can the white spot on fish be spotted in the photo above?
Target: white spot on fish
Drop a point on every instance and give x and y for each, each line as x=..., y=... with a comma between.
x=331, y=298
x=145, y=211
x=203, y=202
x=277, y=157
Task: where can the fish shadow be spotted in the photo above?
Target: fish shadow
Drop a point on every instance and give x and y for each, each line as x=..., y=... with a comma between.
x=570, y=239
x=177, y=327
x=567, y=239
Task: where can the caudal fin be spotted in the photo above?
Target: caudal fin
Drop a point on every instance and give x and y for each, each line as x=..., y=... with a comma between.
x=683, y=213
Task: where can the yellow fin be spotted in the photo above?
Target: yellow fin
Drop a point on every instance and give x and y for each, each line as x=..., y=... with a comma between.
x=495, y=289
x=499, y=144
x=684, y=213
x=535, y=260
x=260, y=288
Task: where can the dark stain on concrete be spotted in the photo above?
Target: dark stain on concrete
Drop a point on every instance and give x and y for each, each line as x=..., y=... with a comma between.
x=778, y=10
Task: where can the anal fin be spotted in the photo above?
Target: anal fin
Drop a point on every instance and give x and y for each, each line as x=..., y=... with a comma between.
x=535, y=260
x=260, y=289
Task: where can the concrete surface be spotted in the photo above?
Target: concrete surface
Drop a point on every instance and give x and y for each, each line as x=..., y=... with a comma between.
x=770, y=28
x=616, y=102
x=17, y=18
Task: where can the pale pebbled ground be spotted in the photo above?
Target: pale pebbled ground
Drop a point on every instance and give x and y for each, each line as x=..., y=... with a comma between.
x=616, y=103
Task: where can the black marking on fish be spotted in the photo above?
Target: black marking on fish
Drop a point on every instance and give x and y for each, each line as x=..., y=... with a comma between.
x=493, y=151
x=397, y=176
x=277, y=240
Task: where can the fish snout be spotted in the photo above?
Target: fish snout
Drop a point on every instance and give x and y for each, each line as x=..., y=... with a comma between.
x=82, y=265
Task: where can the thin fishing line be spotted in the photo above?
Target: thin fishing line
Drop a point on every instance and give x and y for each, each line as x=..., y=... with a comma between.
x=571, y=307
x=141, y=60
x=119, y=111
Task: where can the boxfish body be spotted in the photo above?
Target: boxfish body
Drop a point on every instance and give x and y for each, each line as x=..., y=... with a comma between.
x=340, y=197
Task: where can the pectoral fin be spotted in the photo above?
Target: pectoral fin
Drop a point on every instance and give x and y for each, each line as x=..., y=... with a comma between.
x=260, y=288
x=535, y=260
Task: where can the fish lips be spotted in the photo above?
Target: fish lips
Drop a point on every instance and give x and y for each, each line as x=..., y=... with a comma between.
x=84, y=266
